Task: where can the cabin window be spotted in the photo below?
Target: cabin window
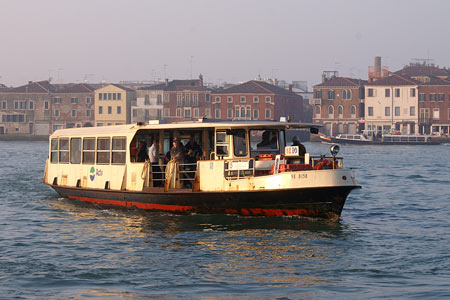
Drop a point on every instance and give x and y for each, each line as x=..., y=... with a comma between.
x=263, y=141
x=103, y=150
x=88, y=150
x=118, y=150
x=54, y=151
x=239, y=142
x=222, y=143
x=75, y=150
x=64, y=150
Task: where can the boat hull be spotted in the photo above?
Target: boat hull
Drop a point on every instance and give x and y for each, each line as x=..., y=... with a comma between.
x=324, y=202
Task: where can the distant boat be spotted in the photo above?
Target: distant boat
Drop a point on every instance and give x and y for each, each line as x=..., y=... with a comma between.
x=384, y=139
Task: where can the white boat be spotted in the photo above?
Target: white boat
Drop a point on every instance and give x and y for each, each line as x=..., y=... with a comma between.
x=384, y=139
x=245, y=168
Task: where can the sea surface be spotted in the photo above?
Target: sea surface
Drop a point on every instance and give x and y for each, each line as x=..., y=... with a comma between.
x=392, y=242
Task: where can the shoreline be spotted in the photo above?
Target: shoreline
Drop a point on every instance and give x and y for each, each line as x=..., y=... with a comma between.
x=11, y=137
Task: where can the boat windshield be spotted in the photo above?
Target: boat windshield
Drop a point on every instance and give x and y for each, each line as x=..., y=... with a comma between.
x=264, y=141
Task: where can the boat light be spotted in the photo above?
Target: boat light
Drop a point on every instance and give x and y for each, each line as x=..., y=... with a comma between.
x=334, y=149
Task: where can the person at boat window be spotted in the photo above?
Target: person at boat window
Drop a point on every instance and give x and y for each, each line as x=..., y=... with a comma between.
x=301, y=148
x=153, y=153
x=265, y=140
x=193, y=153
x=269, y=140
x=142, y=155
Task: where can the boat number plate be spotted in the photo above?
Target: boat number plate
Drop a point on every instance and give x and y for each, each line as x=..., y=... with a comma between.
x=299, y=176
x=291, y=151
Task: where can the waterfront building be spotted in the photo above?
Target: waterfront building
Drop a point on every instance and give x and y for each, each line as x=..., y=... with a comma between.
x=26, y=110
x=113, y=105
x=391, y=104
x=72, y=106
x=173, y=101
x=338, y=104
x=256, y=100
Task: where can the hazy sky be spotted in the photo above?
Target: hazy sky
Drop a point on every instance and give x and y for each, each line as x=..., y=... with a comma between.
x=232, y=40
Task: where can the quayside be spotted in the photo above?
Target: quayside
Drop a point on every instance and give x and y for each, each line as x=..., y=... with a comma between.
x=244, y=168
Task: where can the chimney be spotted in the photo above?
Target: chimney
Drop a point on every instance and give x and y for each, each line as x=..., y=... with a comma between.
x=324, y=78
x=377, y=65
x=201, y=79
x=290, y=87
x=167, y=81
x=30, y=82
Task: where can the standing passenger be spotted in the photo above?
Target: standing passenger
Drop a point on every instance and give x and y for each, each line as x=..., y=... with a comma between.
x=154, y=159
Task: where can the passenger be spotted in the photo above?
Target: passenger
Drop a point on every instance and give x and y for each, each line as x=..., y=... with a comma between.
x=265, y=139
x=154, y=159
x=193, y=153
x=142, y=155
x=177, y=152
x=301, y=148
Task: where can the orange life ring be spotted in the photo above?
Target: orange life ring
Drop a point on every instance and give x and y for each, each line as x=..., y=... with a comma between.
x=324, y=164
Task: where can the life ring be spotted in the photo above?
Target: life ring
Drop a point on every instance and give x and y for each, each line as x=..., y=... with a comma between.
x=266, y=157
x=324, y=164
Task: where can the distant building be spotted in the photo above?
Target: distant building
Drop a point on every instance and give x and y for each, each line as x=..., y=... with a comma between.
x=113, y=105
x=391, y=103
x=338, y=104
x=256, y=100
x=72, y=106
x=173, y=101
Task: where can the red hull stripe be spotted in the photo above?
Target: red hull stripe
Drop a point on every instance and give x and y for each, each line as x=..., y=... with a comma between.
x=269, y=212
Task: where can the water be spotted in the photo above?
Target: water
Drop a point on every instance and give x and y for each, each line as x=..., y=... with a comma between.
x=391, y=242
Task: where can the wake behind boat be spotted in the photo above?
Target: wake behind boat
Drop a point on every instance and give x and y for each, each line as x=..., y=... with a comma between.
x=243, y=168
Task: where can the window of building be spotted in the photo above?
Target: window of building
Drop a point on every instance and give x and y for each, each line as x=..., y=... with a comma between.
x=412, y=111
x=230, y=99
x=340, y=110
x=432, y=97
x=397, y=92
x=103, y=150
x=242, y=99
x=99, y=124
x=119, y=110
x=187, y=113
x=100, y=96
x=207, y=97
x=166, y=97
x=75, y=150
x=370, y=111
x=114, y=96
x=387, y=111
x=88, y=100
x=208, y=112
x=268, y=114
x=317, y=109
x=23, y=105
x=370, y=92
x=422, y=97
x=413, y=92
x=56, y=112
x=118, y=150
x=146, y=99
x=230, y=113
x=441, y=97
x=330, y=111
x=248, y=112
x=74, y=100
x=318, y=94
x=195, y=99
x=217, y=99
x=256, y=99
x=178, y=112
x=100, y=110
x=217, y=114
x=4, y=105
x=56, y=100
x=109, y=96
x=268, y=99
x=387, y=93
x=64, y=150
x=353, y=111
x=236, y=112
x=15, y=118
x=46, y=105
x=166, y=112
x=187, y=99
x=119, y=96
x=179, y=99
x=242, y=112
x=255, y=114
x=134, y=112
x=436, y=113
x=196, y=112
x=16, y=105
x=74, y=113
x=88, y=112
x=31, y=105
x=159, y=99
x=397, y=111
x=331, y=94
x=109, y=110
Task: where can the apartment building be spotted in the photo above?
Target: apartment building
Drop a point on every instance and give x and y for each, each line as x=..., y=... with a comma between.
x=113, y=105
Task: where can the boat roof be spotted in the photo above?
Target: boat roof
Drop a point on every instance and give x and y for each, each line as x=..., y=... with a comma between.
x=129, y=128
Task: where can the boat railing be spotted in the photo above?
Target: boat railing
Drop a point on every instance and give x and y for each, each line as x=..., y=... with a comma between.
x=155, y=175
x=239, y=168
x=326, y=162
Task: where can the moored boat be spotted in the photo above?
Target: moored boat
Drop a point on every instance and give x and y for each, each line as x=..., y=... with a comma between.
x=243, y=168
x=384, y=139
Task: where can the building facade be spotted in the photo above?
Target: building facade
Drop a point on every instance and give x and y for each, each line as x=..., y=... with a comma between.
x=391, y=104
x=113, y=105
x=338, y=104
x=256, y=100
